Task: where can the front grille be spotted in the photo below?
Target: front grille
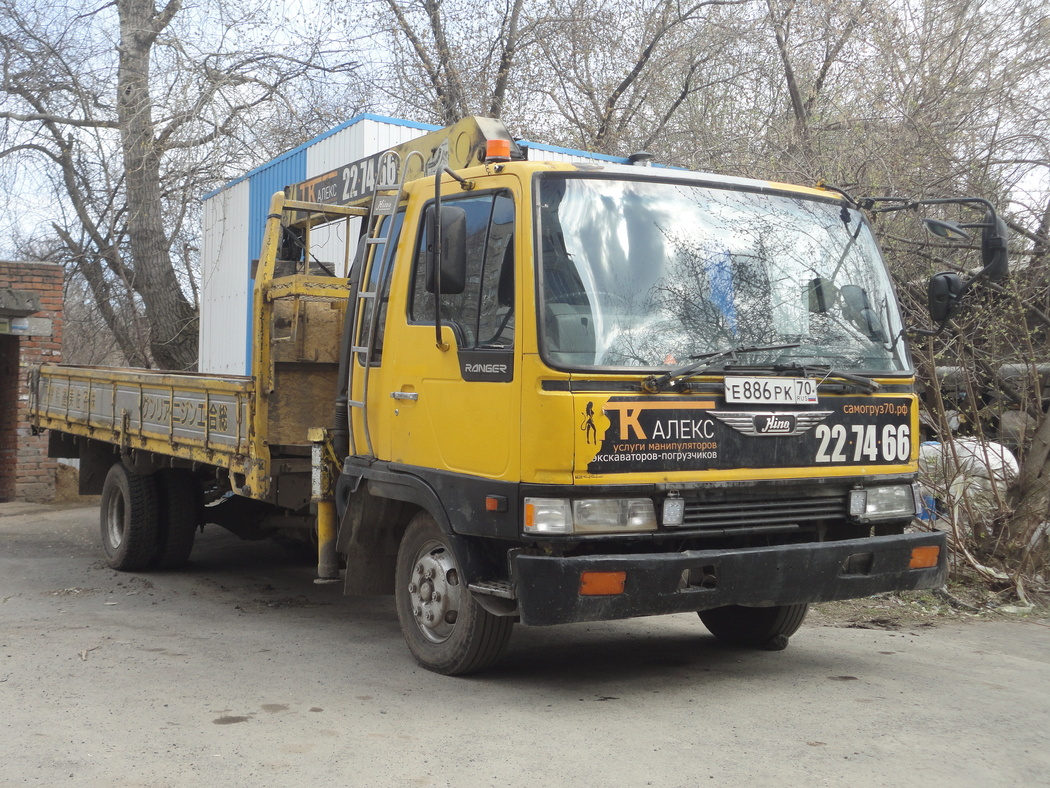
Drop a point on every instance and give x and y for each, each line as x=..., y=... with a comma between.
x=749, y=512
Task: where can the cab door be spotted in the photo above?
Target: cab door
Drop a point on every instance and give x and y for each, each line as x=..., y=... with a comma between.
x=369, y=367
x=458, y=409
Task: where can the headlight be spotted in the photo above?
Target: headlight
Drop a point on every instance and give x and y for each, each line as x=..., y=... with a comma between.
x=603, y=515
x=891, y=502
x=589, y=515
x=547, y=516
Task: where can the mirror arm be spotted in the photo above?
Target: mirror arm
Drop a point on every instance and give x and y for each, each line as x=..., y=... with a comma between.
x=464, y=184
x=922, y=332
x=437, y=263
x=821, y=184
x=903, y=203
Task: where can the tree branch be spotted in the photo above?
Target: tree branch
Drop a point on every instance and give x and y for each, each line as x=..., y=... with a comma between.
x=63, y=121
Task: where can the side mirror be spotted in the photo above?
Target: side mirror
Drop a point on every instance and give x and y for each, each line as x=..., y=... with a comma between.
x=993, y=248
x=452, y=257
x=943, y=294
x=949, y=230
x=946, y=289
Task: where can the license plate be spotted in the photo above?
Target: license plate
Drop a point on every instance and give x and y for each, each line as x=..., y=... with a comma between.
x=771, y=391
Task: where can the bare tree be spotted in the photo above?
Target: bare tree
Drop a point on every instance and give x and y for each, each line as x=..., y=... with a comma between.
x=620, y=72
x=604, y=75
x=134, y=110
x=442, y=60
x=958, y=111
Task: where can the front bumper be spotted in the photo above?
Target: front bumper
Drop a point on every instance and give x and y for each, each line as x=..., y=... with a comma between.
x=548, y=588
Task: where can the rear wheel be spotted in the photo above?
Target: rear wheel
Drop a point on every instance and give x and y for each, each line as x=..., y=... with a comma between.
x=447, y=631
x=179, y=517
x=128, y=519
x=758, y=627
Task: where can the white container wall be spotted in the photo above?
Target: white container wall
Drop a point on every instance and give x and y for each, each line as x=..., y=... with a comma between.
x=537, y=151
x=224, y=277
x=359, y=139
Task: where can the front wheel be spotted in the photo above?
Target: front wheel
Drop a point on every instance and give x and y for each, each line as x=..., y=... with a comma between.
x=757, y=627
x=447, y=631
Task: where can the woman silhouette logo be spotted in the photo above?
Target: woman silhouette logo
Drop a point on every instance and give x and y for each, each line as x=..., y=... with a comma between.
x=588, y=424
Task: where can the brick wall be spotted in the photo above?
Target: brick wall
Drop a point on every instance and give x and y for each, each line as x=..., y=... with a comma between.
x=8, y=415
x=26, y=473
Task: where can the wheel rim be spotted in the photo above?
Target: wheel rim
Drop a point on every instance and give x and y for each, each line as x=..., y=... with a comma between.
x=115, y=521
x=435, y=592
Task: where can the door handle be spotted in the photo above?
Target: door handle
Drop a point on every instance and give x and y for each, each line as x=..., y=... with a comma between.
x=404, y=395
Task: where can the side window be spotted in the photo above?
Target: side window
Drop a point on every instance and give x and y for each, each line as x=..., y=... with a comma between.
x=483, y=314
x=375, y=270
x=496, y=299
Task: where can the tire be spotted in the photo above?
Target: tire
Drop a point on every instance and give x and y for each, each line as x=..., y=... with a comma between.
x=128, y=516
x=447, y=631
x=756, y=627
x=179, y=504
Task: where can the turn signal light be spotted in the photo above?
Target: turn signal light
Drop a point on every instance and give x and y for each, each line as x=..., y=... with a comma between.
x=602, y=583
x=924, y=557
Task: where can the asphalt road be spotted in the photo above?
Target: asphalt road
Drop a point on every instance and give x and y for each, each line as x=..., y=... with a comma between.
x=240, y=672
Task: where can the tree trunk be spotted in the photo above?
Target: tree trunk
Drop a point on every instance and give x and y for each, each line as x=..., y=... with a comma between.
x=89, y=265
x=172, y=318
x=1033, y=506
x=779, y=21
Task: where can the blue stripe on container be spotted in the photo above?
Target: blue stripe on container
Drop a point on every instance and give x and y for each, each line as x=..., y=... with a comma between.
x=409, y=124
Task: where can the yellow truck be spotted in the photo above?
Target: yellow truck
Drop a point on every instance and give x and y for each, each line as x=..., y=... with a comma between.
x=545, y=393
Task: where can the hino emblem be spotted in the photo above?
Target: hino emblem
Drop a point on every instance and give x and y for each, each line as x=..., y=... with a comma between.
x=767, y=423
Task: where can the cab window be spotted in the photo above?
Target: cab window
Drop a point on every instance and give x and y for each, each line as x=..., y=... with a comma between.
x=482, y=316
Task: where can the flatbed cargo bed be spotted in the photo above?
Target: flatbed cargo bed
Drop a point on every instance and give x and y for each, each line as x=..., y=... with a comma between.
x=195, y=417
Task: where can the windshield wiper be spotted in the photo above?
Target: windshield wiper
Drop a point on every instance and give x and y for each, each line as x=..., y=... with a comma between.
x=868, y=385
x=826, y=373
x=701, y=363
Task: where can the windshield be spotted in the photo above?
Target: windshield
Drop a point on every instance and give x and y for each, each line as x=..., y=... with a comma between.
x=644, y=274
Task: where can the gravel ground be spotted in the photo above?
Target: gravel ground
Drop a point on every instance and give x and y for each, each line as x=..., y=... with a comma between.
x=240, y=671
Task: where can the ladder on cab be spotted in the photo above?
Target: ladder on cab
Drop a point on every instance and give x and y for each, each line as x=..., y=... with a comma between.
x=370, y=282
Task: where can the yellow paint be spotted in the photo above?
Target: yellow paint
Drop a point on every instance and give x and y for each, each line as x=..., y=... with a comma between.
x=548, y=426
x=327, y=560
x=460, y=146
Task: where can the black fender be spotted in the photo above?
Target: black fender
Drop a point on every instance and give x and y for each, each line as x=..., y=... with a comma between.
x=361, y=520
